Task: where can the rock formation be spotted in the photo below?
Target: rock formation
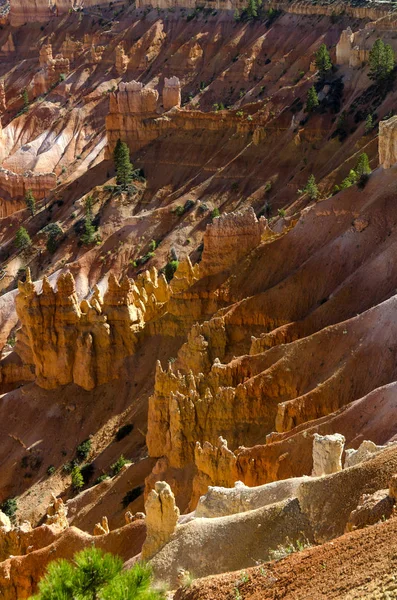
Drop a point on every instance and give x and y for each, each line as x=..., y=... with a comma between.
x=229, y=238
x=51, y=69
x=85, y=343
x=3, y=104
x=327, y=454
x=14, y=186
x=387, y=141
x=5, y=523
x=102, y=528
x=171, y=93
x=364, y=452
x=121, y=60
x=161, y=519
x=57, y=514
x=371, y=509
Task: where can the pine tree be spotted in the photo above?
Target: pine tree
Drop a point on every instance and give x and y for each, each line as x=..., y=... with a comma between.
x=323, y=60
x=88, y=236
x=122, y=164
x=53, y=232
x=77, y=479
x=22, y=239
x=25, y=98
x=252, y=9
x=94, y=574
x=368, y=124
x=312, y=100
x=310, y=188
x=363, y=167
x=30, y=202
x=381, y=61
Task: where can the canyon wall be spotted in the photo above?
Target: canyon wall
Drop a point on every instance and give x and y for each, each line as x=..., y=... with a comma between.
x=367, y=11
x=41, y=11
x=135, y=116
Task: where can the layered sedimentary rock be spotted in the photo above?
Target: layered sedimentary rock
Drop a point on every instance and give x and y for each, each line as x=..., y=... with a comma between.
x=121, y=60
x=15, y=186
x=229, y=238
x=85, y=342
x=41, y=11
x=388, y=142
x=51, y=69
x=162, y=516
x=134, y=98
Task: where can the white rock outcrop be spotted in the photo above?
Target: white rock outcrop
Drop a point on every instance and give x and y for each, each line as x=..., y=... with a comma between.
x=162, y=516
x=327, y=454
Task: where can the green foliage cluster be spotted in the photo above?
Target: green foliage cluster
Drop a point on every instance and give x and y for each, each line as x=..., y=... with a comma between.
x=95, y=575
x=122, y=163
x=30, y=202
x=181, y=210
x=381, y=61
x=215, y=213
x=77, y=478
x=83, y=450
x=118, y=465
x=359, y=175
x=89, y=236
x=323, y=61
x=22, y=239
x=312, y=100
x=53, y=232
x=170, y=268
x=310, y=188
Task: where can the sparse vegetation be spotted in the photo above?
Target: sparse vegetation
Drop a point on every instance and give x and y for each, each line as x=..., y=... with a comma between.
x=323, y=61
x=381, y=61
x=310, y=188
x=118, y=465
x=77, y=479
x=50, y=470
x=83, y=450
x=123, y=166
x=312, y=100
x=30, y=202
x=53, y=232
x=288, y=548
x=22, y=239
x=94, y=575
x=170, y=268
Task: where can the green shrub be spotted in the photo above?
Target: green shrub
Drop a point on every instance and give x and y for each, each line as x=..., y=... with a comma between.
x=215, y=214
x=22, y=239
x=101, y=478
x=170, y=268
x=50, y=470
x=53, y=232
x=83, y=450
x=118, y=465
x=77, y=479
